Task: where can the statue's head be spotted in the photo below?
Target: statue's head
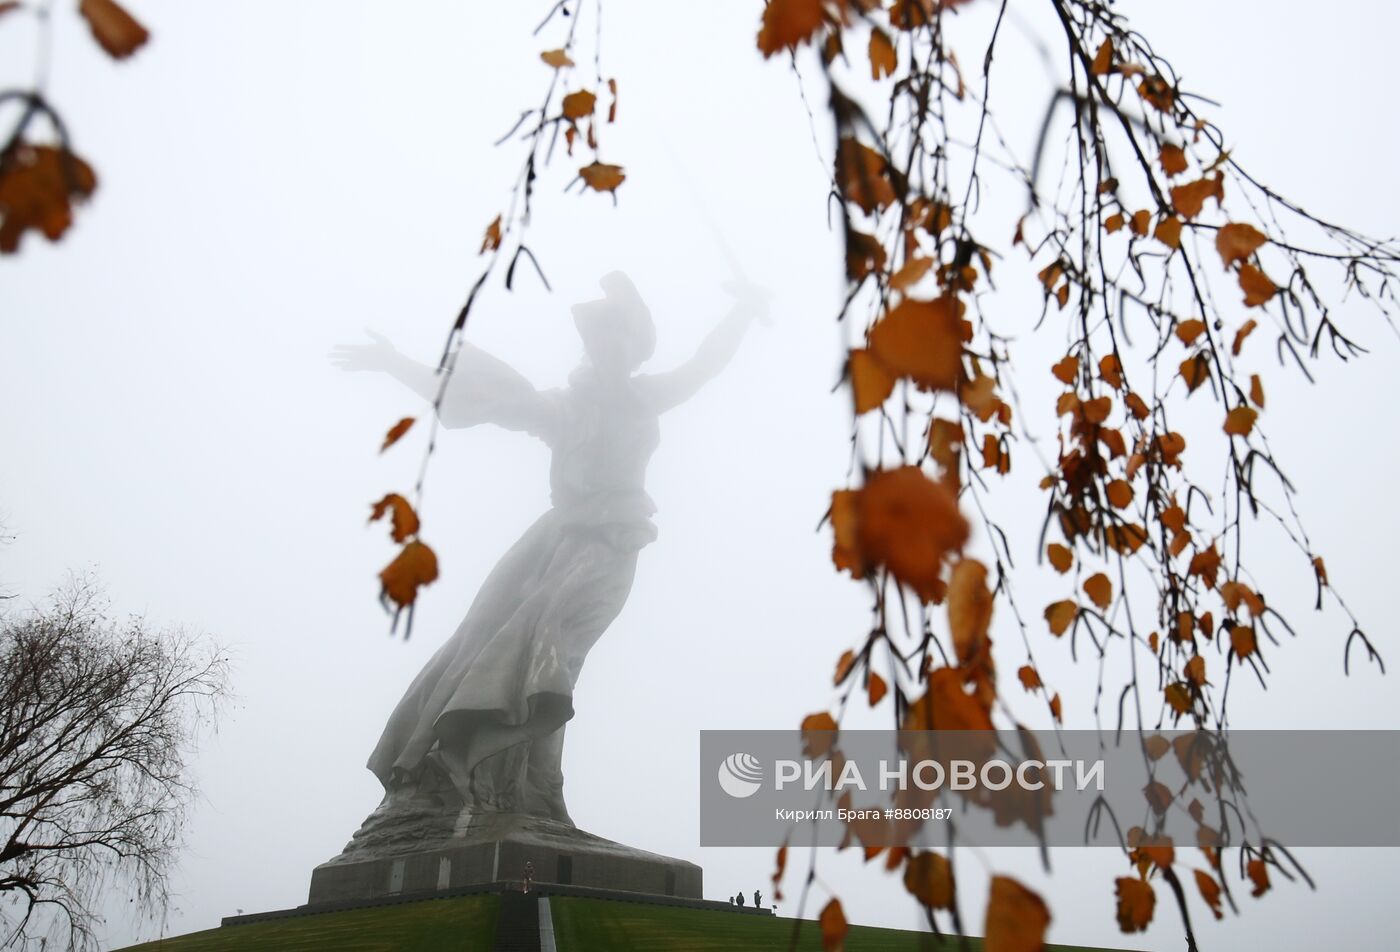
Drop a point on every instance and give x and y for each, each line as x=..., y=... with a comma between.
x=617, y=331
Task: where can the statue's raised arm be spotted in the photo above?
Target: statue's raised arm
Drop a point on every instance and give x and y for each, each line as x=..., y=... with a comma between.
x=674, y=387
x=483, y=389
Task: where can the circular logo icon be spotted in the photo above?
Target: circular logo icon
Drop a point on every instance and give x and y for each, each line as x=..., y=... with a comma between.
x=740, y=775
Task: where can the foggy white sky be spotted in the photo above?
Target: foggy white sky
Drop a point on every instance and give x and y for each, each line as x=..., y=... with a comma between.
x=275, y=177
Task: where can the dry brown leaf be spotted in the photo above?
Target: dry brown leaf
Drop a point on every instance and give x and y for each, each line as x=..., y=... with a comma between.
x=115, y=30
x=969, y=609
x=579, y=104
x=876, y=689
x=1210, y=892
x=1173, y=159
x=1030, y=678
x=492, y=239
x=556, y=58
x=1255, y=284
x=833, y=925
x=1136, y=902
x=1060, y=615
x=1061, y=557
x=1099, y=589
x=396, y=433
x=601, y=177
x=871, y=383
x=883, y=58
x=415, y=566
x=929, y=878
x=38, y=185
x=922, y=340
x=1240, y=421
x=786, y=23
x=403, y=520
x=1236, y=242
x=1016, y=918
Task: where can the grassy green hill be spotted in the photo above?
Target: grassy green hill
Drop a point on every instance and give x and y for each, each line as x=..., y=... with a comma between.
x=597, y=925
x=468, y=924
x=465, y=924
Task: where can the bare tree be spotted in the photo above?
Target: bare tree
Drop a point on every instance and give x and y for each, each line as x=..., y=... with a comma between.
x=97, y=721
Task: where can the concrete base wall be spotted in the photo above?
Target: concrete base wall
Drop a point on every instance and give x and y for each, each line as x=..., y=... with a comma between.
x=587, y=863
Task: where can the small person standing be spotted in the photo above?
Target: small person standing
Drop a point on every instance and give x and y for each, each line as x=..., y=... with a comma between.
x=757, y=899
x=528, y=877
x=740, y=899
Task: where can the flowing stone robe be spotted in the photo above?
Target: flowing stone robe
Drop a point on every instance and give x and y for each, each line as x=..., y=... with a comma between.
x=484, y=720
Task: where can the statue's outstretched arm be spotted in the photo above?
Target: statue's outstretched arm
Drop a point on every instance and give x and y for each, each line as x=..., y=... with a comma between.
x=483, y=388
x=672, y=388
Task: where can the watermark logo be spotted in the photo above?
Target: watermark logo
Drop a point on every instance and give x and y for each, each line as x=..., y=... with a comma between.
x=740, y=775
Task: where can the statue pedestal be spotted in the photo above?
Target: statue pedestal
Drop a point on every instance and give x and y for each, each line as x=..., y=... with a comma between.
x=495, y=848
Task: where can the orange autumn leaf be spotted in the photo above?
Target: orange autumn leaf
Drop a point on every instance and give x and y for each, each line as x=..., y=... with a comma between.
x=1099, y=589
x=601, y=177
x=1242, y=640
x=994, y=455
x=1210, y=892
x=929, y=878
x=1120, y=493
x=1030, y=678
x=911, y=273
x=1060, y=615
x=1255, y=284
x=1258, y=872
x=844, y=664
x=1113, y=222
x=1178, y=697
x=38, y=185
x=1056, y=709
x=1173, y=159
x=1111, y=370
x=861, y=173
x=1187, y=331
x=1136, y=902
x=1236, y=242
x=1016, y=918
x=1168, y=231
x=1320, y=569
x=403, y=520
x=832, y=920
x=1097, y=409
x=945, y=443
x=818, y=734
x=1194, y=370
x=1139, y=222
x=556, y=58
x=877, y=689
x=946, y=706
x=1125, y=539
x=1196, y=670
x=1060, y=557
x=579, y=104
x=396, y=433
x=1190, y=199
x=1256, y=391
x=1156, y=92
x=883, y=58
x=115, y=30
x=1066, y=370
x=922, y=340
x=902, y=520
x=1103, y=59
x=969, y=609
x=492, y=239
x=415, y=566
x=1245, y=330
x=1240, y=421
x=786, y=23
x=871, y=384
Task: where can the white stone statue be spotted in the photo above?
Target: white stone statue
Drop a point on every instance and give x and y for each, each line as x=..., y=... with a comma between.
x=480, y=731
